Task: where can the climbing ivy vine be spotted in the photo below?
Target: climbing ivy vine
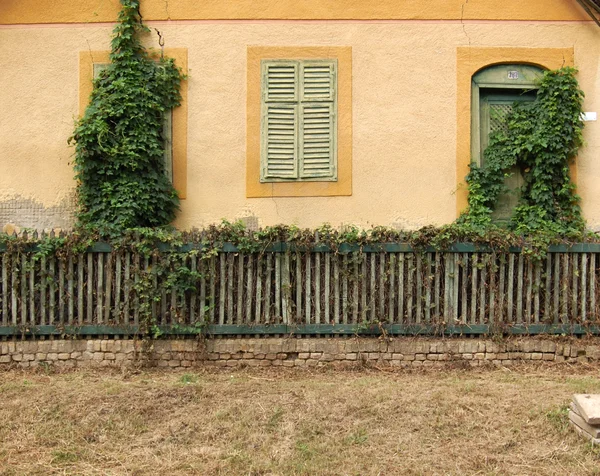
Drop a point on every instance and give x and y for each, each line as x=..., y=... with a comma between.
x=541, y=138
x=119, y=142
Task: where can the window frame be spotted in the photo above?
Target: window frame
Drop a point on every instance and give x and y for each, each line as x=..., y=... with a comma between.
x=87, y=60
x=318, y=186
x=299, y=101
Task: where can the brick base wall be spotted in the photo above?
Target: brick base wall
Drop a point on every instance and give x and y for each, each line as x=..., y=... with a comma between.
x=295, y=352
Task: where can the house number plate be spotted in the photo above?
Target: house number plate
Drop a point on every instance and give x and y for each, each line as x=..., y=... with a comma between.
x=513, y=75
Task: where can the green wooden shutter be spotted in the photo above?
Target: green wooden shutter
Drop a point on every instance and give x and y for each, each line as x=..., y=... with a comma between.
x=298, y=122
x=317, y=138
x=281, y=81
x=318, y=120
x=281, y=141
x=318, y=81
x=280, y=120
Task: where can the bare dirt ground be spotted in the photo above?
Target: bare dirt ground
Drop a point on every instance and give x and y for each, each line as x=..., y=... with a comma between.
x=243, y=422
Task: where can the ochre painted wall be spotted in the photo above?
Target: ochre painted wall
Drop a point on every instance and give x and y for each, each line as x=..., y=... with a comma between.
x=71, y=11
x=405, y=121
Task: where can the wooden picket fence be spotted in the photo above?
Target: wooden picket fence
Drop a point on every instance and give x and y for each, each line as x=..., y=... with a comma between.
x=387, y=288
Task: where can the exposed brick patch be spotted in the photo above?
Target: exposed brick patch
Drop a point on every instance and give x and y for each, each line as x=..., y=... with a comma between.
x=18, y=212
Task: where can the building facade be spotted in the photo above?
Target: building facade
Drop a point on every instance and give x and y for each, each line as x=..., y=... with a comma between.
x=345, y=111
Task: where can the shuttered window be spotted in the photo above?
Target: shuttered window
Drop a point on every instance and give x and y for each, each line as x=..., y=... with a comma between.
x=298, y=121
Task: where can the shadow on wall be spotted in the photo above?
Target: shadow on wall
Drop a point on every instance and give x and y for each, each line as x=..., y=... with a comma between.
x=18, y=212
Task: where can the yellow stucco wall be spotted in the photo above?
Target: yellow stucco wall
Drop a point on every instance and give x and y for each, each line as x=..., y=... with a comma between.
x=71, y=11
x=405, y=122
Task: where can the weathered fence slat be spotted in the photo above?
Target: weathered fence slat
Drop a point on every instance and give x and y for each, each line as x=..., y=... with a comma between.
x=308, y=303
x=492, y=290
x=212, y=288
x=392, y=288
x=259, y=276
x=565, y=290
x=52, y=286
x=510, y=291
x=336, y=289
x=419, y=294
x=108, y=288
x=318, y=288
x=428, y=277
x=287, y=288
x=327, y=287
x=482, y=289
x=117, y=306
x=382, y=272
x=5, y=258
x=437, y=278
x=548, y=288
x=575, y=287
x=268, y=288
x=223, y=284
x=240, y=290
x=32, y=276
x=556, y=312
x=584, y=260
x=194, y=294
x=90, y=289
x=23, y=282
x=536, y=297
x=70, y=292
x=474, y=269
x=372, y=300
x=355, y=292
x=409, y=288
x=528, y=291
x=502, y=268
x=277, y=286
x=298, y=276
x=593, y=286
x=363, y=288
x=249, y=284
x=230, y=287
x=464, y=310
x=520, y=290
x=202, y=271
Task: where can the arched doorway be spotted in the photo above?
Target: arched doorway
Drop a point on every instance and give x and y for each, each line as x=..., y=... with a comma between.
x=494, y=91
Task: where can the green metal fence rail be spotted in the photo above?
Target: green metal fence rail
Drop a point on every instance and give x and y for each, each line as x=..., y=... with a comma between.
x=386, y=288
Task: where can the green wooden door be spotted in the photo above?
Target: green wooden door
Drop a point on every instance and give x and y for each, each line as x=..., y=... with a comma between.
x=495, y=106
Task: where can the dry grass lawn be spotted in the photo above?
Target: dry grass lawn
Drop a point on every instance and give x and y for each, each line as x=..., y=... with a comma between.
x=246, y=422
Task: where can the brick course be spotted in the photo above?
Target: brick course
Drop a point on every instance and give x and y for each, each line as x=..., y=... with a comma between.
x=296, y=352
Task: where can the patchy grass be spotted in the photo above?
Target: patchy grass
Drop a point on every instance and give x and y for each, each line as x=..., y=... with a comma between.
x=294, y=423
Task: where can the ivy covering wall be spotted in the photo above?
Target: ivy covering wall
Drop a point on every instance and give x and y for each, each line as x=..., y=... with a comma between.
x=119, y=142
x=541, y=138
